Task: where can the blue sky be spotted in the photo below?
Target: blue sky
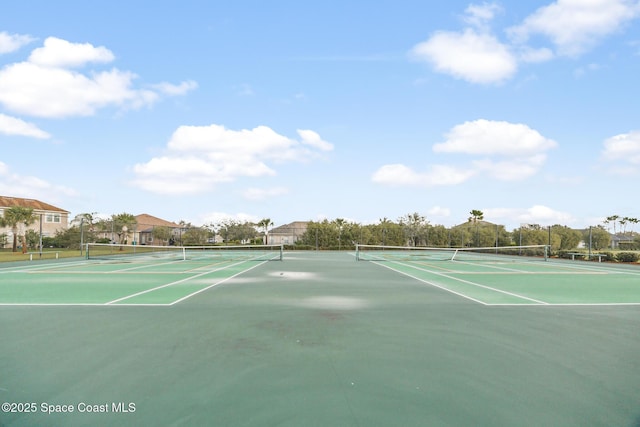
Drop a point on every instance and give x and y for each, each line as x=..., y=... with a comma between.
x=198, y=111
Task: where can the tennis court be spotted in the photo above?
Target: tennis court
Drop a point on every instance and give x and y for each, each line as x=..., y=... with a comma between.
x=490, y=277
x=319, y=339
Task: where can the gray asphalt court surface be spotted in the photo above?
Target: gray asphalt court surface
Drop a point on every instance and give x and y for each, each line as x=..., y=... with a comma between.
x=320, y=340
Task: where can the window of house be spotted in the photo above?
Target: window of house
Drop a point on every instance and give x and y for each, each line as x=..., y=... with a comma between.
x=55, y=218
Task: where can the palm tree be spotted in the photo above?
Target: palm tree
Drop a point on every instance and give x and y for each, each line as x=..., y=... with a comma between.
x=125, y=223
x=623, y=224
x=613, y=219
x=265, y=223
x=3, y=236
x=476, y=216
x=14, y=217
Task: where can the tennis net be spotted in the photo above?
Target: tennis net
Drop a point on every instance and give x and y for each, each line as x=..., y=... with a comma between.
x=204, y=253
x=413, y=253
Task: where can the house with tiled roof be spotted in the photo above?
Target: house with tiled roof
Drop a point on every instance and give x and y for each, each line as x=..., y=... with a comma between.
x=143, y=233
x=51, y=218
x=287, y=234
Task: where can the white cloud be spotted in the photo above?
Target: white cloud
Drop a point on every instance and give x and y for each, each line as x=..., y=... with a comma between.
x=30, y=186
x=471, y=56
x=574, y=26
x=494, y=138
x=512, y=169
x=622, y=152
x=47, y=86
x=13, y=126
x=199, y=157
x=623, y=146
x=312, y=139
x=12, y=42
x=62, y=53
x=537, y=214
x=38, y=91
x=544, y=215
x=236, y=147
x=221, y=217
x=175, y=90
x=509, y=152
x=398, y=174
x=439, y=212
x=533, y=55
x=479, y=16
x=476, y=55
x=257, y=194
x=518, y=151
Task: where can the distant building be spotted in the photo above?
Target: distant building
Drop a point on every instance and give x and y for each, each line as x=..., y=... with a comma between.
x=143, y=233
x=622, y=241
x=287, y=234
x=51, y=218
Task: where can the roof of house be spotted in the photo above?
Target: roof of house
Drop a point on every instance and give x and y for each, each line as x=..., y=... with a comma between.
x=36, y=205
x=147, y=222
x=623, y=237
x=297, y=226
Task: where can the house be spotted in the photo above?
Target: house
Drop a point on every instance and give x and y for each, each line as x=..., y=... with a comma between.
x=622, y=241
x=287, y=234
x=143, y=232
x=49, y=218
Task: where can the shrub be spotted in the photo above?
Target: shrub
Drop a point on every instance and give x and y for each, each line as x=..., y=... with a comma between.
x=611, y=256
x=628, y=257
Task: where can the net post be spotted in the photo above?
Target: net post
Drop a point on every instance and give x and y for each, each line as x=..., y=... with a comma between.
x=184, y=253
x=357, y=252
x=453, y=257
x=547, y=250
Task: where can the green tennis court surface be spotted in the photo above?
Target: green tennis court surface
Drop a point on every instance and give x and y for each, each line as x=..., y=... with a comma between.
x=319, y=339
x=125, y=282
x=503, y=282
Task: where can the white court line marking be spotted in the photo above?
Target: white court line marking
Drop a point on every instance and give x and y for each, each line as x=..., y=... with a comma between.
x=466, y=282
x=570, y=304
x=604, y=268
x=430, y=283
x=181, y=281
x=75, y=304
x=59, y=268
x=154, y=264
x=139, y=267
x=216, y=284
x=535, y=304
x=495, y=267
x=516, y=271
x=28, y=269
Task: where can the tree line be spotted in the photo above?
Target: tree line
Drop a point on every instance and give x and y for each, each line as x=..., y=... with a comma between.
x=121, y=229
x=415, y=230
x=412, y=229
